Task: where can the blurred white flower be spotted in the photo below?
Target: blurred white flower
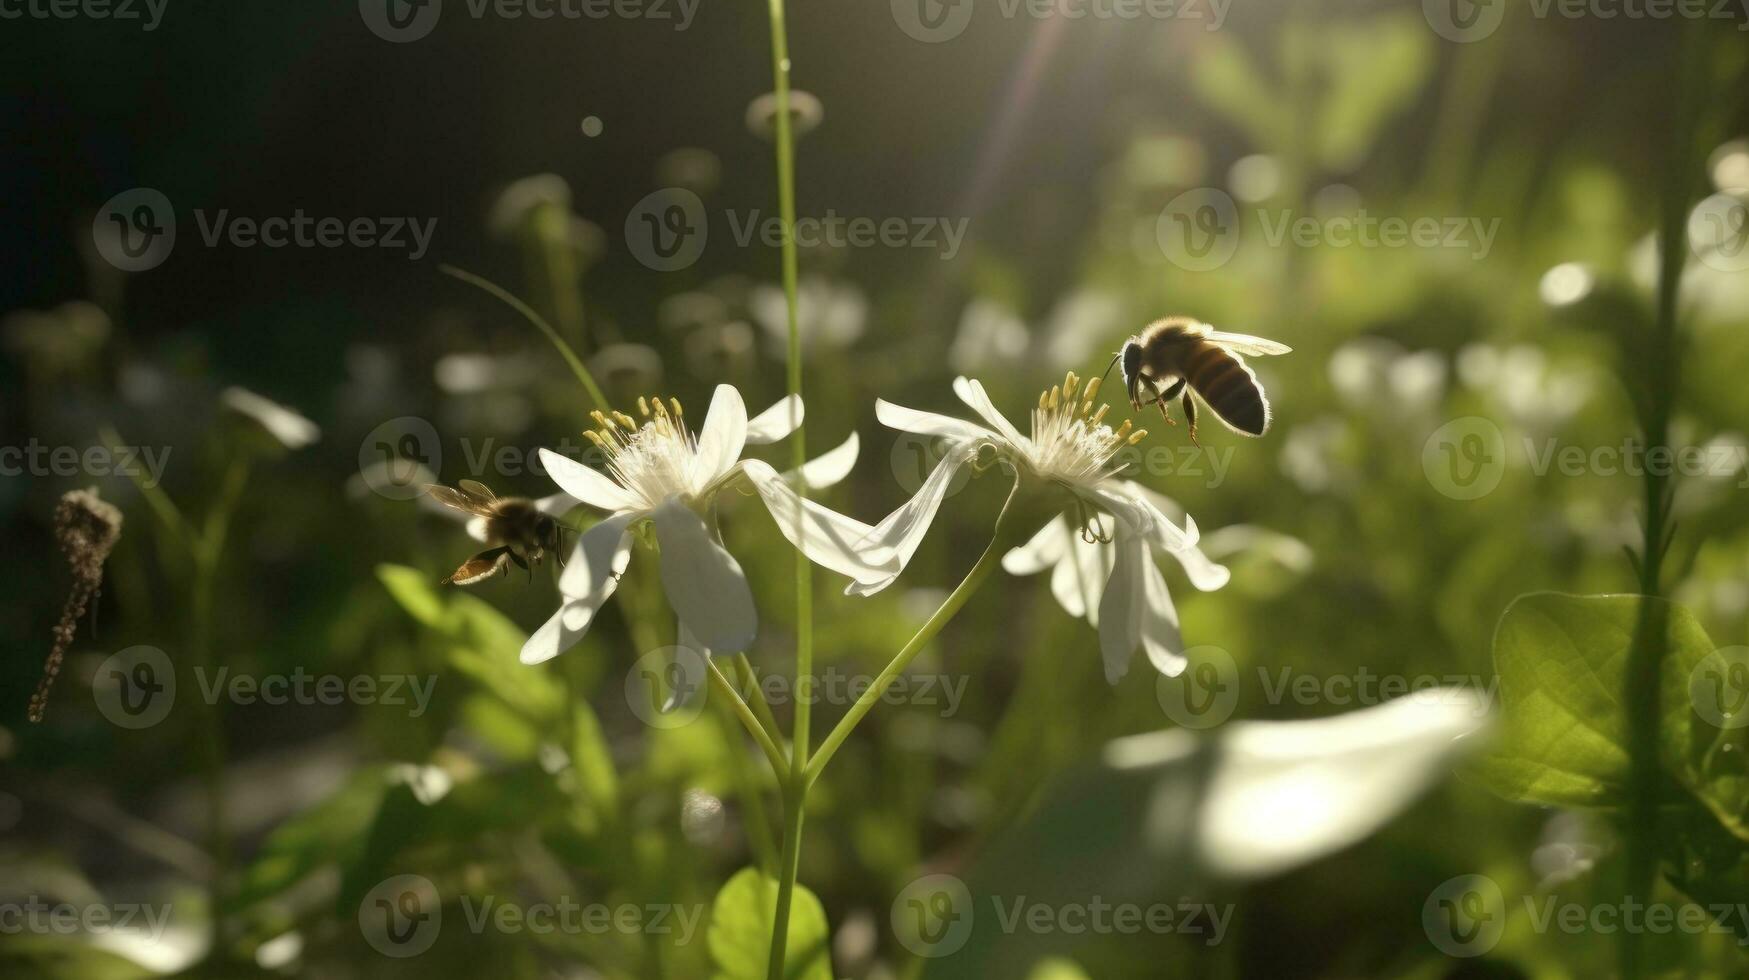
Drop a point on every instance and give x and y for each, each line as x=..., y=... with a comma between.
x=1535, y=394
x=990, y=336
x=522, y=198
x=292, y=430
x=1373, y=374
x=1076, y=326
x=829, y=314
x=1071, y=448
x=660, y=473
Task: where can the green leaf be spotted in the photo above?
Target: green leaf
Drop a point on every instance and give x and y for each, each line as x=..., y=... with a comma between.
x=1561, y=661
x=740, y=931
x=414, y=591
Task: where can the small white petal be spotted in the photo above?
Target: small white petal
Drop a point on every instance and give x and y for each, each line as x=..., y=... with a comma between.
x=598, y=559
x=828, y=538
x=722, y=437
x=832, y=466
x=559, y=633
x=1131, y=511
x=927, y=423
x=291, y=429
x=1043, y=550
x=1204, y=573
x=972, y=393
x=1160, y=635
x=1124, y=606
x=588, y=485
x=899, y=534
x=1079, y=579
x=556, y=505
x=705, y=584
x=776, y=422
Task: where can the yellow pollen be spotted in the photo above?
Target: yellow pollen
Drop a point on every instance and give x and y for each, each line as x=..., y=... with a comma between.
x=1099, y=416
x=1123, y=430
x=643, y=406
x=1056, y=393
x=1044, y=400
x=676, y=403
x=1092, y=389
x=602, y=420
x=1137, y=436
x=1069, y=384
x=625, y=420
x=592, y=437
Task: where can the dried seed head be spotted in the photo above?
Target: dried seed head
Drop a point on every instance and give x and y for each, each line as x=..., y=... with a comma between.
x=86, y=528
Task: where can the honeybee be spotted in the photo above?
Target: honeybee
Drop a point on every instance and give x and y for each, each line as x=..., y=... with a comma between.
x=516, y=527
x=1179, y=353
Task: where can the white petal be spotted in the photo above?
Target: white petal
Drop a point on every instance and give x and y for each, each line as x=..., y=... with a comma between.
x=972, y=393
x=1164, y=535
x=722, y=436
x=829, y=468
x=899, y=534
x=1079, y=579
x=557, y=505
x=705, y=584
x=599, y=559
x=1043, y=550
x=927, y=423
x=1131, y=511
x=776, y=422
x=1203, y=572
x=562, y=631
x=591, y=486
x=828, y=538
x=1124, y=606
x=1160, y=635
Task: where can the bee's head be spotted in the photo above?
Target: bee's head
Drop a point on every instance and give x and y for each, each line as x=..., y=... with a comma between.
x=1131, y=355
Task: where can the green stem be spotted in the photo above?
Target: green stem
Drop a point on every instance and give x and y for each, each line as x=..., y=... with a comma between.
x=509, y=299
x=750, y=682
x=795, y=792
x=986, y=564
x=1650, y=642
x=726, y=690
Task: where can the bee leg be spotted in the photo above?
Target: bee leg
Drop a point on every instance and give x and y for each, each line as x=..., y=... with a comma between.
x=1164, y=400
x=1190, y=417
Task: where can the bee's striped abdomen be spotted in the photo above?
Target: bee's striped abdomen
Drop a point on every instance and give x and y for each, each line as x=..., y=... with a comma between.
x=1228, y=387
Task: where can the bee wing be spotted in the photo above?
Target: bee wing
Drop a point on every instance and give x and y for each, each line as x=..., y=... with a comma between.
x=459, y=500
x=479, y=491
x=1246, y=344
x=478, y=567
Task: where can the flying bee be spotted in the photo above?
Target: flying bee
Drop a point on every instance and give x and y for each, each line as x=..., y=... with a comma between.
x=1186, y=356
x=517, y=528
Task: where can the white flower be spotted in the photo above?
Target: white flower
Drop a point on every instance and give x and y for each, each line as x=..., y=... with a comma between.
x=1110, y=577
x=660, y=472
